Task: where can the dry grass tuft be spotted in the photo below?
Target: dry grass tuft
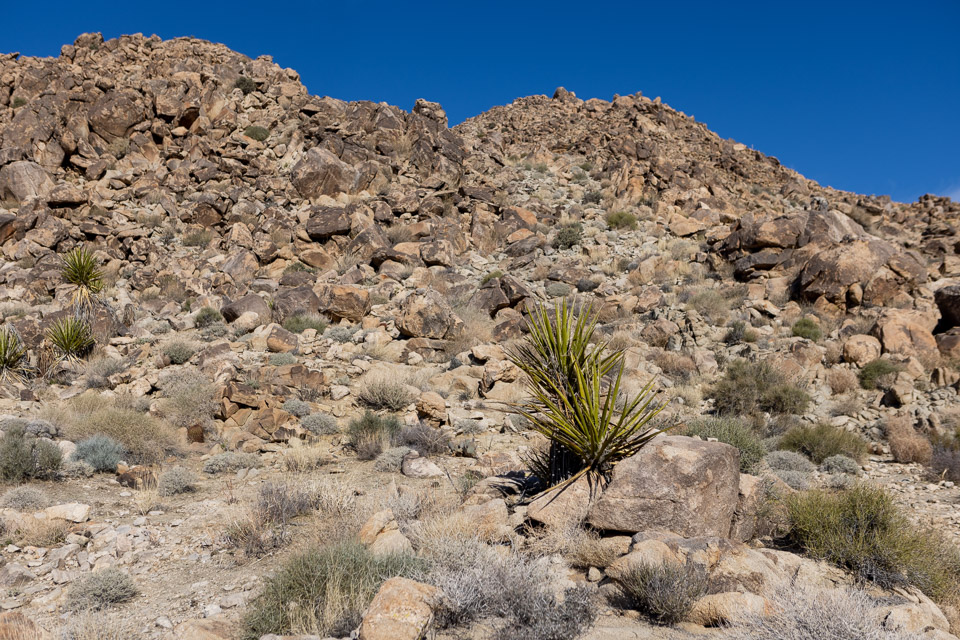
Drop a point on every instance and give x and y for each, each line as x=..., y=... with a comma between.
x=906, y=444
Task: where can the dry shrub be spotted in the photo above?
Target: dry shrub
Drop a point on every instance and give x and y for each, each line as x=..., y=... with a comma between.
x=97, y=626
x=906, y=444
x=188, y=397
x=303, y=459
x=679, y=366
x=35, y=532
x=842, y=381
x=380, y=391
x=581, y=547
x=100, y=589
x=477, y=329
x=665, y=592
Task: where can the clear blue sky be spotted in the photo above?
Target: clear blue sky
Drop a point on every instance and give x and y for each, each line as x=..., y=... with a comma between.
x=862, y=96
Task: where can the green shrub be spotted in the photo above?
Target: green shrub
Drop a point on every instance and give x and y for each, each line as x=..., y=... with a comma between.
x=590, y=425
x=100, y=589
x=23, y=457
x=175, y=481
x=145, y=438
x=738, y=332
x=82, y=270
x=300, y=322
x=381, y=392
x=807, y=328
x=491, y=276
x=748, y=387
x=13, y=354
x=71, y=337
x=621, y=220
x=257, y=133
x=591, y=197
x=665, y=592
x=371, y=432
x=320, y=424
x=874, y=370
x=281, y=359
x=100, y=452
x=822, y=441
x=341, y=333
x=231, y=461
x=733, y=432
x=18, y=102
x=711, y=304
x=568, y=236
x=245, y=84
x=323, y=591
x=862, y=530
x=295, y=407
x=179, y=351
x=206, y=317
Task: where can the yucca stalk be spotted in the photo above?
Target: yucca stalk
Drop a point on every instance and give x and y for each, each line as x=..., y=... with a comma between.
x=13, y=355
x=82, y=270
x=574, y=389
x=71, y=337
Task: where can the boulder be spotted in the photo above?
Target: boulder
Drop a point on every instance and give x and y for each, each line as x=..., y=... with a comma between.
x=675, y=483
x=116, y=112
x=321, y=173
x=250, y=303
x=861, y=349
x=907, y=333
x=416, y=466
x=425, y=314
x=401, y=610
x=24, y=180
x=326, y=222
x=948, y=301
x=71, y=511
x=279, y=340
x=344, y=302
x=565, y=506
x=432, y=408
x=717, y=609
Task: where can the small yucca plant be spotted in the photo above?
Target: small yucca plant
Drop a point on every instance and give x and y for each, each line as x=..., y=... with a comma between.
x=13, y=355
x=82, y=270
x=71, y=337
x=576, y=397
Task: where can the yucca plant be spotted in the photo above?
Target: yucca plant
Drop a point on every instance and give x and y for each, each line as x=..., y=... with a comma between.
x=82, y=270
x=71, y=337
x=576, y=396
x=13, y=355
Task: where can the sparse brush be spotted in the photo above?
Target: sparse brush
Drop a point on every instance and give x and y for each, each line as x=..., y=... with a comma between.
x=381, y=392
x=231, y=461
x=24, y=498
x=175, y=481
x=82, y=269
x=295, y=407
x=99, y=370
x=576, y=391
x=206, y=317
x=23, y=457
x=13, y=353
x=664, y=592
x=371, y=433
x=391, y=459
x=245, y=84
x=101, y=589
x=733, y=432
x=300, y=322
x=748, y=387
x=424, y=440
x=822, y=441
x=906, y=444
x=71, y=337
x=257, y=133
x=873, y=373
x=303, y=459
x=146, y=438
x=100, y=452
x=341, y=333
x=197, y=238
x=740, y=331
x=320, y=424
x=179, y=351
x=807, y=328
x=621, y=220
x=188, y=398
x=840, y=464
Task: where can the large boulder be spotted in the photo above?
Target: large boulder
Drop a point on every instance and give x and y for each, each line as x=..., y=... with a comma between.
x=321, y=173
x=401, y=610
x=860, y=349
x=326, y=222
x=425, y=314
x=908, y=333
x=24, y=180
x=250, y=303
x=116, y=112
x=675, y=483
x=342, y=301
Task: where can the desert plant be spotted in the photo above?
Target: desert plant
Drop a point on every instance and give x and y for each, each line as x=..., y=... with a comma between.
x=807, y=328
x=391, y=459
x=300, y=322
x=24, y=498
x=789, y=461
x=100, y=452
x=821, y=441
x=621, y=220
x=101, y=589
x=71, y=337
x=23, y=457
x=323, y=591
x=711, y=304
x=257, y=133
x=906, y=444
x=82, y=270
x=945, y=463
x=320, y=424
x=664, y=592
x=99, y=370
x=862, y=530
x=174, y=481
x=206, y=317
x=341, y=333
x=295, y=407
x=873, y=371
x=568, y=236
x=842, y=381
x=13, y=354
x=179, y=351
x=188, y=398
x=748, y=387
x=196, y=238
x=576, y=398
x=733, y=432
x=840, y=464
x=245, y=84
x=382, y=392
x=231, y=461
x=424, y=439
x=371, y=432
x=145, y=438
x=279, y=502
x=543, y=618
x=738, y=332
x=281, y=359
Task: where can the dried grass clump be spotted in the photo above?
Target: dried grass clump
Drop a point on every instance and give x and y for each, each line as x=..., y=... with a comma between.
x=666, y=592
x=842, y=381
x=101, y=589
x=906, y=444
x=146, y=438
x=379, y=392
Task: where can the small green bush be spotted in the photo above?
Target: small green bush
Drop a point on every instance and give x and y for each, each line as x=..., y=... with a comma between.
x=591, y=197
x=257, y=133
x=840, y=464
x=13, y=354
x=206, y=317
x=245, y=84
x=326, y=588
x=740, y=331
x=320, y=424
x=569, y=236
x=748, y=387
x=231, y=461
x=733, y=432
x=281, y=359
x=82, y=269
x=621, y=220
x=371, y=433
x=300, y=322
x=23, y=457
x=874, y=370
x=295, y=407
x=179, y=351
x=71, y=337
x=807, y=328
x=101, y=452
x=100, y=589
x=823, y=441
x=18, y=102
x=175, y=481
x=491, y=276
x=665, y=592
x=862, y=530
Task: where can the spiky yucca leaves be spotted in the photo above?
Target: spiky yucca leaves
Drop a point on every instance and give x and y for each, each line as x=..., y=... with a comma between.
x=82, y=270
x=71, y=337
x=576, y=391
x=13, y=355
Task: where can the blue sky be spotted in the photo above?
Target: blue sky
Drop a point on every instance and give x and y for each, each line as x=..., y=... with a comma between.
x=863, y=96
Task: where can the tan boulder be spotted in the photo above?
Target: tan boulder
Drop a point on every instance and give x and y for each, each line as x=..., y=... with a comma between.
x=321, y=173
x=71, y=511
x=204, y=629
x=716, y=609
x=861, y=349
x=432, y=408
x=426, y=314
x=908, y=333
x=343, y=301
x=16, y=626
x=401, y=610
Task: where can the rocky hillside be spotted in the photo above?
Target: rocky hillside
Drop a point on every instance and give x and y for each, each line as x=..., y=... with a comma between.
x=276, y=267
